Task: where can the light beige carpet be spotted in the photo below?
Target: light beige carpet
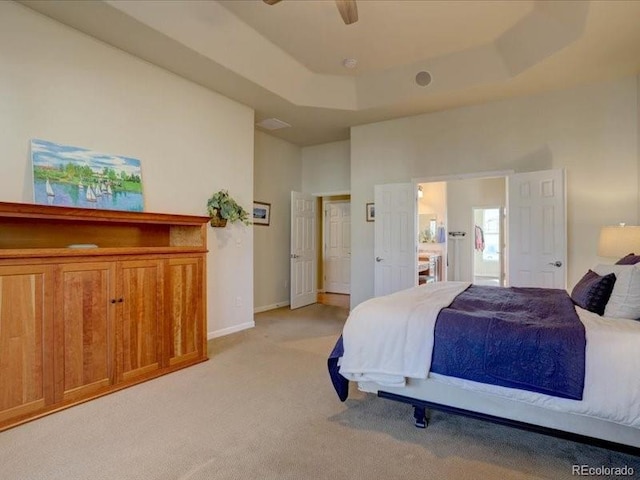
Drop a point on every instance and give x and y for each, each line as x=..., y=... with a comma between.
x=263, y=408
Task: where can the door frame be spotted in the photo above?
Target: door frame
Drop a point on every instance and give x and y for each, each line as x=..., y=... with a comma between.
x=451, y=178
x=319, y=223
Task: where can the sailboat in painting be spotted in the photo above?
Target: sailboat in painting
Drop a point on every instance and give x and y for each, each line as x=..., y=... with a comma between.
x=91, y=197
x=47, y=187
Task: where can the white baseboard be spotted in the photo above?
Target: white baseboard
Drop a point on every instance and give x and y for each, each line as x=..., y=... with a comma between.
x=244, y=326
x=273, y=306
x=230, y=330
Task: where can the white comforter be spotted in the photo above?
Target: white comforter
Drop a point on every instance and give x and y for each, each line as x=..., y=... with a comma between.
x=387, y=339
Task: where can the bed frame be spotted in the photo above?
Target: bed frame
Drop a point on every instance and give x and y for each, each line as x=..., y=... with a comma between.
x=431, y=394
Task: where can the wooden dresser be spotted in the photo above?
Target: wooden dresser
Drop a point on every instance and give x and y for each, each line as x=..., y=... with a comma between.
x=79, y=321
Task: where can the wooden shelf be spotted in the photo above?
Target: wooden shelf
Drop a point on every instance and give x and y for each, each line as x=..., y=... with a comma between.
x=29, y=210
x=27, y=227
x=83, y=252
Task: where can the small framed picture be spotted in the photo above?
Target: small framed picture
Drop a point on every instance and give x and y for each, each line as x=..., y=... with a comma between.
x=261, y=213
x=371, y=212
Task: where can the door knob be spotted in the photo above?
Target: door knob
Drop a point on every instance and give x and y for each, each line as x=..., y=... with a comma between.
x=379, y=259
x=557, y=263
x=293, y=255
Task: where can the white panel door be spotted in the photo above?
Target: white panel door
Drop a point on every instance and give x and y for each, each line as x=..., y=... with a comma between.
x=395, y=244
x=303, y=250
x=337, y=247
x=537, y=238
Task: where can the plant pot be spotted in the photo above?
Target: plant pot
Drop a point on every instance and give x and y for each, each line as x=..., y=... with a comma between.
x=218, y=221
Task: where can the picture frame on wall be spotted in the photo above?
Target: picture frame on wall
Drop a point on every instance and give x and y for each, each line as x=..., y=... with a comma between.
x=261, y=213
x=69, y=176
x=371, y=212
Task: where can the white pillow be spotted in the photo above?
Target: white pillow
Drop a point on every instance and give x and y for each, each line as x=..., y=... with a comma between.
x=625, y=297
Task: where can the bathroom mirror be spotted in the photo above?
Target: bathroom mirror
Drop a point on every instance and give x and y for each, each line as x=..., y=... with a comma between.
x=427, y=227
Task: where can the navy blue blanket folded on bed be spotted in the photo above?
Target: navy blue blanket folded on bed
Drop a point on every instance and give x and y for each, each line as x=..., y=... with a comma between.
x=526, y=338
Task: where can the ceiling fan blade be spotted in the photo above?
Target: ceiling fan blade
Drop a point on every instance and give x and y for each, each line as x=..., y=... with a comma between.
x=270, y=2
x=348, y=10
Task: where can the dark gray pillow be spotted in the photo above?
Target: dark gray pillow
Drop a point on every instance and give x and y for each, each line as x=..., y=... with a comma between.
x=592, y=292
x=630, y=259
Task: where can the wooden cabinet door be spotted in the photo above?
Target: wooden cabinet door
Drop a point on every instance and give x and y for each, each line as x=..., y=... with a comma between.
x=26, y=322
x=184, y=318
x=139, y=320
x=84, y=329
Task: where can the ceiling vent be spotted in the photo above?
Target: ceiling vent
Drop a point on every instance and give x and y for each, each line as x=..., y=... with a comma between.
x=350, y=63
x=272, y=124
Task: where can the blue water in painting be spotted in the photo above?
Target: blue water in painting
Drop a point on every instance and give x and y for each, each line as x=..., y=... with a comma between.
x=67, y=195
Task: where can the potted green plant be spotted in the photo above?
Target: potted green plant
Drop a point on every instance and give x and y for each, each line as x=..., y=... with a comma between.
x=221, y=207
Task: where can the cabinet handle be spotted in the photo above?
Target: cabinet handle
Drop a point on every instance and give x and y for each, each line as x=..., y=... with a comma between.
x=120, y=300
x=113, y=300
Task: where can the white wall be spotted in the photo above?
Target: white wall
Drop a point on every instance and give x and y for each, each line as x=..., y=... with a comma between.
x=326, y=167
x=590, y=131
x=60, y=85
x=434, y=200
x=277, y=170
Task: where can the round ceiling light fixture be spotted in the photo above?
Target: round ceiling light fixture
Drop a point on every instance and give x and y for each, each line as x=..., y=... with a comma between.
x=349, y=63
x=423, y=78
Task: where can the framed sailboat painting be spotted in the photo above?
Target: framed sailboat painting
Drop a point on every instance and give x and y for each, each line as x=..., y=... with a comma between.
x=70, y=176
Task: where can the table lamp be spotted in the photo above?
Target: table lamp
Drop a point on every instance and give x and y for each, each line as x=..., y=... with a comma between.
x=619, y=240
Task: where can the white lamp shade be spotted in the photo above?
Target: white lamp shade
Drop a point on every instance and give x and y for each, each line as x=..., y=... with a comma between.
x=618, y=241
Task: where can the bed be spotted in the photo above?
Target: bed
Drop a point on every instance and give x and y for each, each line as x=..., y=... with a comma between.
x=397, y=347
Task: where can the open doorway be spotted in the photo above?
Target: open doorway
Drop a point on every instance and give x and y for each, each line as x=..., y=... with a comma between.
x=432, y=243
x=334, y=264
x=488, y=261
x=453, y=204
